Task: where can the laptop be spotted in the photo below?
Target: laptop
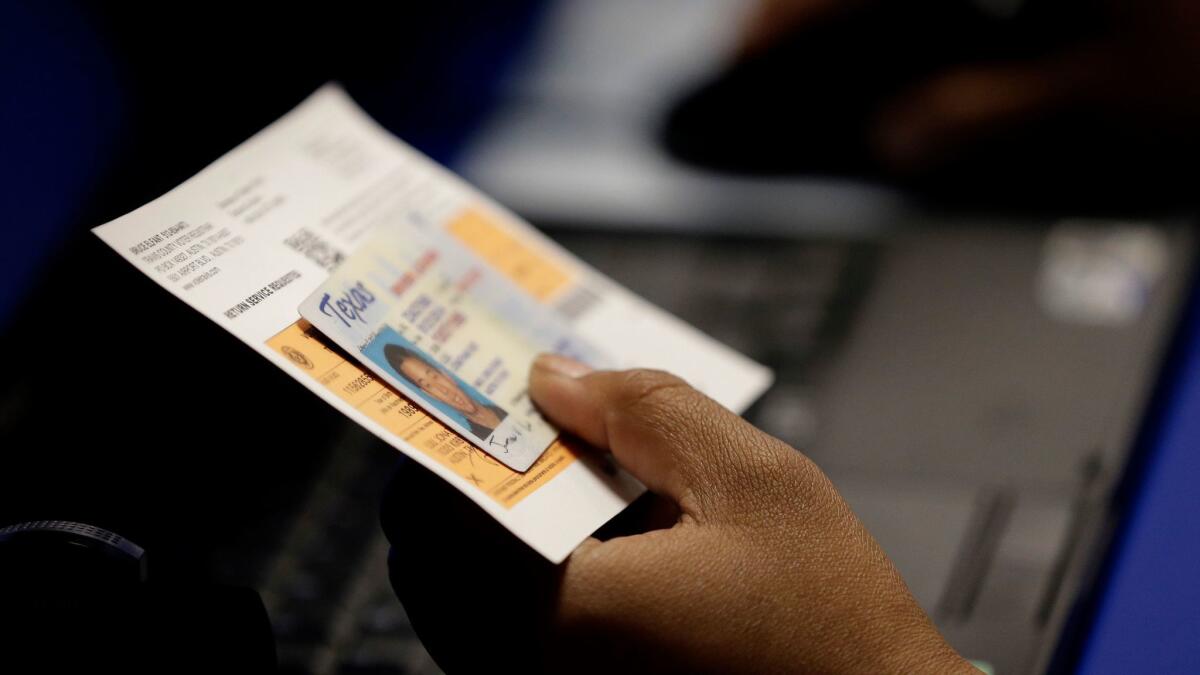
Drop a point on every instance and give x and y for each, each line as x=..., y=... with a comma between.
x=973, y=383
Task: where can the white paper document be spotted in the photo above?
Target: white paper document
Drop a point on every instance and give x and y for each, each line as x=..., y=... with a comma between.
x=324, y=193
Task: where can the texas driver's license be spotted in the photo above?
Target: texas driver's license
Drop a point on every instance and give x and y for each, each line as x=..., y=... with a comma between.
x=433, y=319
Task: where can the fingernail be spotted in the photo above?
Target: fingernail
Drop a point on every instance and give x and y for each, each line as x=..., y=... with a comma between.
x=561, y=365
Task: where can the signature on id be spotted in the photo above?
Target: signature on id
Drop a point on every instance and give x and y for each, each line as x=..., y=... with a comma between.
x=511, y=438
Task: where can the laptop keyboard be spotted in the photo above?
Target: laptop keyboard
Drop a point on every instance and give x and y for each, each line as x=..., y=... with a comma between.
x=785, y=303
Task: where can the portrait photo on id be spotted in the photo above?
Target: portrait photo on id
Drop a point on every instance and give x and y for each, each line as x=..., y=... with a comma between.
x=443, y=389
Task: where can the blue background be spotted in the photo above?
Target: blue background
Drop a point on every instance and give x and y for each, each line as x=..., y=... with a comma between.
x=1147, y=617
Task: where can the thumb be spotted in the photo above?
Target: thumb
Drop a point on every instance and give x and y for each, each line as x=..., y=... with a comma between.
x=673, y=438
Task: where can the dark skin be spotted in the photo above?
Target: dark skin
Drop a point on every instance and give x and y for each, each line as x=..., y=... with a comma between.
x=748, y=560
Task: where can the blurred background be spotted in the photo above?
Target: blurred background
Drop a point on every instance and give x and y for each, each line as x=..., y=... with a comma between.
x=960, y=232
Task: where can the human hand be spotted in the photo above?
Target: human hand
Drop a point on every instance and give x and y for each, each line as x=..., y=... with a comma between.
x=765, y=569
x=757, y=566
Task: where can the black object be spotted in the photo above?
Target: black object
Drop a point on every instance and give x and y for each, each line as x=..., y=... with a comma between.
x=811, y=103
x=74, y=555
x=79, y=596
x=805, y=103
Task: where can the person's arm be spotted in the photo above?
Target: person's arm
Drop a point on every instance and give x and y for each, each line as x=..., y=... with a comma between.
x=759, y=567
